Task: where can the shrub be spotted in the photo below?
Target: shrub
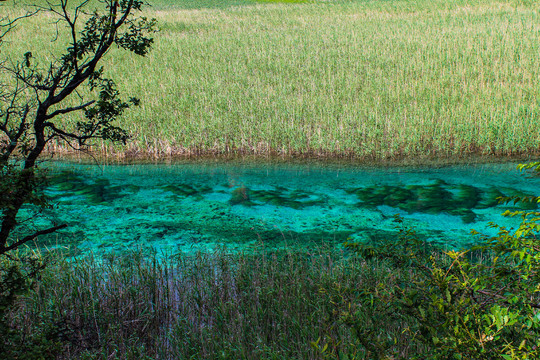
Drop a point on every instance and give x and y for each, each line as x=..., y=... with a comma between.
x=480, y=303
x=18, y=274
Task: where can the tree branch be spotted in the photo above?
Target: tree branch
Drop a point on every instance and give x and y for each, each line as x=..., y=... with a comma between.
x=64, y=134
x=10, y=24
x=42, y=88
x=68, y=110
x=32, y=237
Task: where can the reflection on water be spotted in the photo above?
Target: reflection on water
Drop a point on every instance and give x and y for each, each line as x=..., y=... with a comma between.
x=198, y=207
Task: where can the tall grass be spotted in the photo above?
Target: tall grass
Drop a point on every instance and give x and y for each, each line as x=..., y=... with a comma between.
x=266, y=305
x=377, y=79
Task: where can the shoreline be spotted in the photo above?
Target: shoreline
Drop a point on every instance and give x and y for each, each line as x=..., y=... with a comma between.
x=131, y=157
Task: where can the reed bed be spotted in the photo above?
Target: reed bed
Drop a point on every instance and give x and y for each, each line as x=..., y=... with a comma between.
x=262, y=305
x=377, y=79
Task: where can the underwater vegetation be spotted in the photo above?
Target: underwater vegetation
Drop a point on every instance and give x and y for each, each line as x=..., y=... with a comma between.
x=188, y=208
x=438, y=197
x=186, y=190
x=279, y=196
x=95, y=191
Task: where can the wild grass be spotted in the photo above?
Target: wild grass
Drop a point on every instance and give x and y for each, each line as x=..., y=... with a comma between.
x=375, y=79
x=265, y=305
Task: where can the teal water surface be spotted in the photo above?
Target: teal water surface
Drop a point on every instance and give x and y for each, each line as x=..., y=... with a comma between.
x=200, y=206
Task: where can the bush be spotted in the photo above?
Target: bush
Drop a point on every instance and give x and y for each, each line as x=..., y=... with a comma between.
x=480, y=303
x=18, y=274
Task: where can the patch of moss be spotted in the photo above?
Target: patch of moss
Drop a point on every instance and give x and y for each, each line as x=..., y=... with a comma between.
x=523, y=205
x=241, y=196
x=101, y=192
x=433, y=198
x=295, y=199
x=490, y=198
x=467, y=215
x=468, y=196
x=186, y=190
x=68, y=183
x=278, y=196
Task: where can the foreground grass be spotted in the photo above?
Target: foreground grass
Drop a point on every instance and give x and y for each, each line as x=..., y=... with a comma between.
x=287, y=304
x=267, y=305
x=378, y=79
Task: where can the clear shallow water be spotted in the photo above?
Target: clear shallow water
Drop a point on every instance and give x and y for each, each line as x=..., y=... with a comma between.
x=191, y=206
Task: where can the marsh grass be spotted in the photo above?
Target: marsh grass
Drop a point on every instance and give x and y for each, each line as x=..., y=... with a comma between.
x=378, y=79
x=265, y=305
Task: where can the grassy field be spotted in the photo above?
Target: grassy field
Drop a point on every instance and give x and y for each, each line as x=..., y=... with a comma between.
x=363, y=79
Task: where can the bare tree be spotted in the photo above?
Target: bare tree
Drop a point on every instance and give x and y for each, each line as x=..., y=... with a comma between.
x=32, y=98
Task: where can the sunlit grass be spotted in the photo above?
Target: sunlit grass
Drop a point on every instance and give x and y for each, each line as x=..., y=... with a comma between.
x=363, y=79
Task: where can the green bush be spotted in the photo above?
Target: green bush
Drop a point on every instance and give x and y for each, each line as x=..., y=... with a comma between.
x=18, y=274
x=480, y=303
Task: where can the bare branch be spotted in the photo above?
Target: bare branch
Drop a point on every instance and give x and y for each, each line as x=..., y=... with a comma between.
x=32, y=237
x=10, y=24
x=68, y=110
x=66, y=136
x=14, y=138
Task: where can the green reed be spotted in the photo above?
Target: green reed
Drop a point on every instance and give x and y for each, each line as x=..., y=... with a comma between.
x=377, y=79
x=263, y=305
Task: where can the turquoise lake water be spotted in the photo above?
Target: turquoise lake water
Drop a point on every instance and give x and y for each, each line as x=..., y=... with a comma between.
x=201, y=206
